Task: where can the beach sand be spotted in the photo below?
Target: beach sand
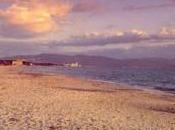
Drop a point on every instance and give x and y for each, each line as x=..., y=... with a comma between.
x=43, y=102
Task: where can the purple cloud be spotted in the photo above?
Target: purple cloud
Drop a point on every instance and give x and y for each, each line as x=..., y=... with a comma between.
x=135, y=36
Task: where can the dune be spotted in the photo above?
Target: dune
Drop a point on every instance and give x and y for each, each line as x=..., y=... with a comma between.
x=44, y=102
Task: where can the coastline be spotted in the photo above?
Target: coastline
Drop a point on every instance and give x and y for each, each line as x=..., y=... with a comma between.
x=38, y=101
x=144, y=88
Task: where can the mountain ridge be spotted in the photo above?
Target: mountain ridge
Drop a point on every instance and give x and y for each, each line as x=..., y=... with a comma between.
x=99, y=61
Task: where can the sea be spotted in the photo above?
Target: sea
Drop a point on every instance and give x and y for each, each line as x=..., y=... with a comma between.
x=140, y=77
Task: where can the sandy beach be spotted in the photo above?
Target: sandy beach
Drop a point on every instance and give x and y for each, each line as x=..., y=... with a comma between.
x=43, y=102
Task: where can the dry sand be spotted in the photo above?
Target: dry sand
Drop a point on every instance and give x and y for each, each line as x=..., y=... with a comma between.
x=41, y=102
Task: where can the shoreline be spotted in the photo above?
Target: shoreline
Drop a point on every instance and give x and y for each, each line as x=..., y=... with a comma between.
x=135, y=87
x=158, y=90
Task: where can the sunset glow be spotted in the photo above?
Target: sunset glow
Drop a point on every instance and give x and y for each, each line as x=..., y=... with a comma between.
x=105, y=27
x=35, y=17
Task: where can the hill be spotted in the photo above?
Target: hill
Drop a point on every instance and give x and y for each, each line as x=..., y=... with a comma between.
x=98, y=61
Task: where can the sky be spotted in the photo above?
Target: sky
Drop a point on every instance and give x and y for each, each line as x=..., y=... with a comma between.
x=111, y=28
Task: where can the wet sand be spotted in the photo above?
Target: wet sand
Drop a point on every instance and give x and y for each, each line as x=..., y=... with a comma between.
x=42, y=102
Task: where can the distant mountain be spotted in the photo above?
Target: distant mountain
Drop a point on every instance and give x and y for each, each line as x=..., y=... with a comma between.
x=99, y=61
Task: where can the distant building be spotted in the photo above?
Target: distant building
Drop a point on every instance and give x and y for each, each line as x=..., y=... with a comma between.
x=18, y=62
x=73, y=65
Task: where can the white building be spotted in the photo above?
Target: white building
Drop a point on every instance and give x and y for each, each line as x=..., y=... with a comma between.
x=18, y=62
x=73, y=65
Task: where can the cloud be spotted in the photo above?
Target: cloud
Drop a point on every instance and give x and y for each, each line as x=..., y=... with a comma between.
x=131, y=44
x=118, y=37
x=168, y=31
x=116, y=51
x=32, y=17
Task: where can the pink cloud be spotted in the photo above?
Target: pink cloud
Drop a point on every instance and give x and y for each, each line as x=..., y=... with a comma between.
x=32, y=16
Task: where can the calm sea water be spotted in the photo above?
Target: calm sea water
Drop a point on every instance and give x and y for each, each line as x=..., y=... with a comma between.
x=148, y=78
